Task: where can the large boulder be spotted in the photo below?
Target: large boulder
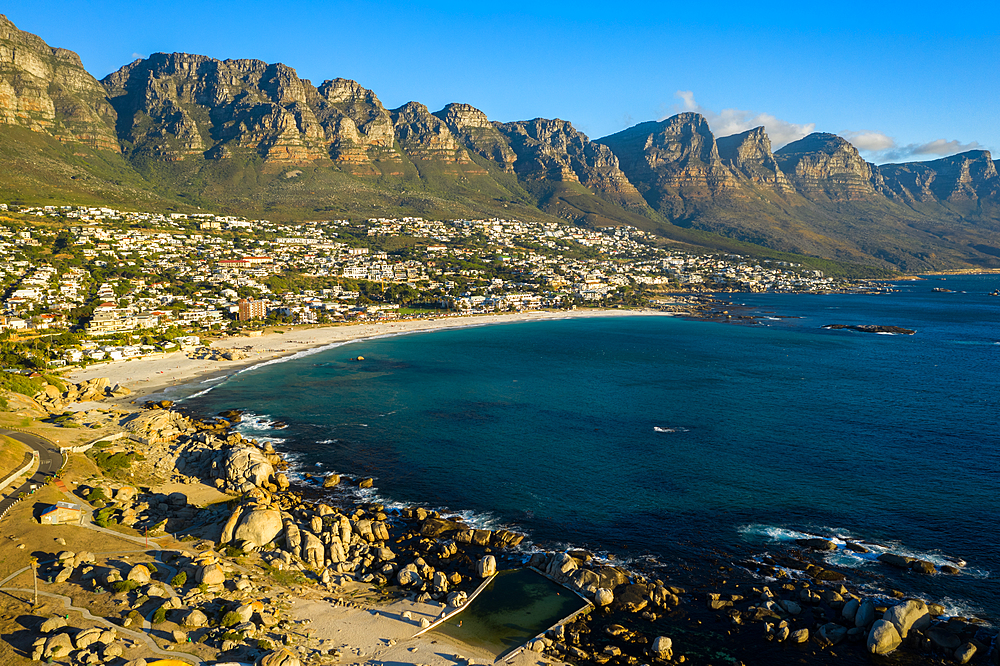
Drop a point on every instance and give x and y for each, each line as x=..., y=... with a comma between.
x=293, y=537
x=230, y=527
x=865, y=615
x=965, y=653
x=87, y=637
x=850, y=610
x=126, y=494
x=898, y=561
x=603, y=597
x=663, y=648
x=911, y=614
x=52, y=624
x=487, y=566
x=832, y=633
x=816, y=544
x=561, y=566
x=243, y=465
x=435, y=527
x=335, y=551
x=156, y=425
x=211, y=574
x=408, y=575
x=259, y=526
x=194, y=618
x=140, y=574
x=313, y=550
x=58, y=646
x=631, y=598
x=883, y=638
x=281, y=657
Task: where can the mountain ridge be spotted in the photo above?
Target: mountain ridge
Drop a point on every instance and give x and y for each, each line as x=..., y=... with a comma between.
x=241, y=135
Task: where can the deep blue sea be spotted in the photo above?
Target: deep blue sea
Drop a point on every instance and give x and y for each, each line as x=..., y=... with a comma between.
x=668, y=442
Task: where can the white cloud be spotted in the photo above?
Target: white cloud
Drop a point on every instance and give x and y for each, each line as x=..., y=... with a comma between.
x=734, y=121
x=869, y=141
x=879, y=148
x=941, y=147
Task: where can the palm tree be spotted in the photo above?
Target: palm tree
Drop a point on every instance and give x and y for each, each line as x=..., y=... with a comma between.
x=34, y=577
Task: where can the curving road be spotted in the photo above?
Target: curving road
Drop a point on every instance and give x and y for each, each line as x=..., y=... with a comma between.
x=50, y=461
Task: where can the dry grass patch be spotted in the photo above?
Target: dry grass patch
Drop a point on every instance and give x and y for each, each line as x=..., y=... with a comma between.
x=11, y=455
x=20, y=527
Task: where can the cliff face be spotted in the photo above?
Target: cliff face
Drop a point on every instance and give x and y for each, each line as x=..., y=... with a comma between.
x=171, y=106
x=749, y=154
x=357, y=126
x=477, y=133
x=825, y=166
x=966, y=177
x=238, y=124
x=47, y=90
x=553, y=150
x=424, y=136
x=675, y=163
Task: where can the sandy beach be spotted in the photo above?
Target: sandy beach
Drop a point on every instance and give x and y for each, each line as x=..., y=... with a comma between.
x=175, y=375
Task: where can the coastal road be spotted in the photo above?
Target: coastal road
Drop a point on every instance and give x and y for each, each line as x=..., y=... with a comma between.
x=50, y=461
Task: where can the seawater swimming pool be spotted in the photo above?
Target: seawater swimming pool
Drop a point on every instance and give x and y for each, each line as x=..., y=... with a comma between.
x=515, y=607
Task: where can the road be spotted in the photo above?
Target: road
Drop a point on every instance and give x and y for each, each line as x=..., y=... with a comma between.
x=50, y=461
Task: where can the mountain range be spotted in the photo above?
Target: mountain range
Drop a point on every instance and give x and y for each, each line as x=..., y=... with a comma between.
x=245, y=137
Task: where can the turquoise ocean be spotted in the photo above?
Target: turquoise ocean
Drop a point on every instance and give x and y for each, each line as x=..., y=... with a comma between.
x=671, y=445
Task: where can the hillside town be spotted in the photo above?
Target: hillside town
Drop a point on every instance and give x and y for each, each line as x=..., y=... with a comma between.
x=97, y=283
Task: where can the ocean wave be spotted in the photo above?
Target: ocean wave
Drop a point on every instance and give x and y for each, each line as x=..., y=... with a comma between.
x=670, y=429
x=340, y=343
x=299, y=354
x=844, y=557
x=257, y=422
x=198, y=394
x=212, y=380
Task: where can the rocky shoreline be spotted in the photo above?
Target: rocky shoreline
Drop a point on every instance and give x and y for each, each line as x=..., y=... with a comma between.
x=226, y=590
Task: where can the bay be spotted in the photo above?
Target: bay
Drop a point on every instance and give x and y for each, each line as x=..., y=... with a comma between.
x=670, y=444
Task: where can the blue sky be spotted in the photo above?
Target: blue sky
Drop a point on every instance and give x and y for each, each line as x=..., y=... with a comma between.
x=902, y=81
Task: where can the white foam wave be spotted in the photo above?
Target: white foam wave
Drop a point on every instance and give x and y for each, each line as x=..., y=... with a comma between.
x=844, y=557
x=957, y=608
x=670, y=429
x=258, y=422
x=198, y=394
x=341, y=343
x=212, y=380
x=298, y=354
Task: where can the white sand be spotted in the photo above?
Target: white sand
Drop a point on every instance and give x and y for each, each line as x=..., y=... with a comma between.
x=161, y=376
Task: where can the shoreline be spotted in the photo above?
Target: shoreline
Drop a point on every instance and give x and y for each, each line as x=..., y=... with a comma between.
x=164, y=377
x=720, y=598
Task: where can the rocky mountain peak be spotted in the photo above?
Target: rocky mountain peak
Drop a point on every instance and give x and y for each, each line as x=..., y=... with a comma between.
x=683, y=138
x=341, y=99
x=749, y=153
x=425, y=136
x=552, y=149
x=827, y=166
x=474, y=129
x=175, y=105
x=47, y=90
x=464, y=116
x=674, y=163
x=968, y=176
